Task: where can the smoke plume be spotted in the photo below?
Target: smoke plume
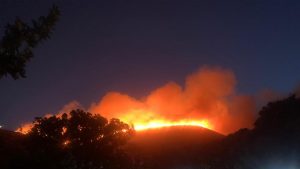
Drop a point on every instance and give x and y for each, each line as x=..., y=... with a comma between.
x=208, y=94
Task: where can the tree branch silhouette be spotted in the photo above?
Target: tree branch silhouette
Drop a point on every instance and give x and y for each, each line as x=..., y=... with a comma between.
x=19, y=40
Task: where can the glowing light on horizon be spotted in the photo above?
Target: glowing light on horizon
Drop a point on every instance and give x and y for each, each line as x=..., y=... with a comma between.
x=161, y=124
x=25, y=128
x=143, y=120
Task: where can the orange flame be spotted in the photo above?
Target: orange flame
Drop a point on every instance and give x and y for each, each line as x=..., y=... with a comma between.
x=25, y=128
x=143, y=120
x=162, y=123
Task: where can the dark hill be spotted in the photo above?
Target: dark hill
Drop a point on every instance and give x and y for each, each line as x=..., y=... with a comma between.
x=11, y=147
x=10, y=140
x=179, y=146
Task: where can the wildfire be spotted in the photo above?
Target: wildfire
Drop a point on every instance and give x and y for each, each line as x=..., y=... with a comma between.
x=25, y=128
x=143, y=120
x=162, y=123
x=207, y=99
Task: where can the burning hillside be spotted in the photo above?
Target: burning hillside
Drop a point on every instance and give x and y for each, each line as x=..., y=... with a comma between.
x=207, y=99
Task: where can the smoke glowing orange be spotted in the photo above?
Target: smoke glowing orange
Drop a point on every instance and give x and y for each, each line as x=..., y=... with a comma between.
x=207, y=99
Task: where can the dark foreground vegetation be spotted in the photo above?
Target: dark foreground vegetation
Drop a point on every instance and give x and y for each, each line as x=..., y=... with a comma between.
x=75, y=140
x=273, y=143
x=80, y=140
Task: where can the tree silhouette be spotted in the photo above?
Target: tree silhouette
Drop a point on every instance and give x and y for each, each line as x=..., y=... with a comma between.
x=275, y=137
x=280, y=118
x=79, y=139
x=19, y=40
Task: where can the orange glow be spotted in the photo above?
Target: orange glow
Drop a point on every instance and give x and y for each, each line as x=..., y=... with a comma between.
x=162, y=123
x=207, y=99
x=143, y=120
x=25, y=128
x=66, y=143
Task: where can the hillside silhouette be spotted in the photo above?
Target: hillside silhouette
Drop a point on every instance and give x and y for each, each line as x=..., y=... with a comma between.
x=175, y=146
x=12, y=147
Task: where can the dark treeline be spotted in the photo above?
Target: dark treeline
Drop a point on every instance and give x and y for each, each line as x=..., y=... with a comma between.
x=80, y=140
x=274, y=142
x=76, y=140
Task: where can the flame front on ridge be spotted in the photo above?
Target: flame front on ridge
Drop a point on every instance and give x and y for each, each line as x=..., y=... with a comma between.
x=161, y=123
x=143, y=120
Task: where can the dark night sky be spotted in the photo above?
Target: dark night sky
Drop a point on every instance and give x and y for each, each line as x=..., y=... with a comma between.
x=136, y=46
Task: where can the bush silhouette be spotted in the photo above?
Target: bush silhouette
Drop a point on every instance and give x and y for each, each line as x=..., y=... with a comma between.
x=78, y=140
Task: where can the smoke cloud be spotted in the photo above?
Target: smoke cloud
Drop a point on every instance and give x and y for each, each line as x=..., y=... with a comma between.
x=208, y=93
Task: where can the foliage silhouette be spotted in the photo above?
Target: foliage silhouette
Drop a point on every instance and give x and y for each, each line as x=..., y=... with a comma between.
x=274, y=138
x=78, y=140
x=19, y=40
